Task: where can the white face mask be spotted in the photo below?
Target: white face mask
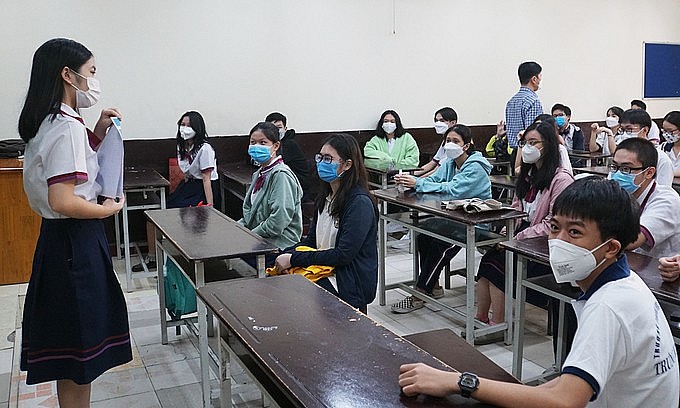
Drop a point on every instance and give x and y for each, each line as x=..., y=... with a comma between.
x=187, y=132
x=628, y=135
x=282, y=133
x=611, y=121
x=85, y=99
x=570, y=262
x=530, y=154
x=441, y=127
x=389, y=127
x=453, y=150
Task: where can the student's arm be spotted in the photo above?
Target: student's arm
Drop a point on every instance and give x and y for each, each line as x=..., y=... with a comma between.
x=657, y=224
x=427, y=169
x=411, y=151
x=62, y=199
x=593, y=146
x=207, y=186
x=373, y=150
x=356, y=223
x=669, y=268
x=282, y=206
x=489, y=147
x=564, y=391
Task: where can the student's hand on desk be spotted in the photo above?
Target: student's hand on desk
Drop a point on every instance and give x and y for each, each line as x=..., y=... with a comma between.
x=114, y=206
x=669, y=268
x=419, y=378
x=405, y=180
x=283, y=263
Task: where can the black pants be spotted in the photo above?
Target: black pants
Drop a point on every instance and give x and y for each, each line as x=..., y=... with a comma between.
x=434, y=255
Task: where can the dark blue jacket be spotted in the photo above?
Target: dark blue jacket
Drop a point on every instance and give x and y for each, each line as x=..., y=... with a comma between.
x=355, y=255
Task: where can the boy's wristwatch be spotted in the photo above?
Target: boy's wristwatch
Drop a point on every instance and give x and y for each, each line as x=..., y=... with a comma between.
x=468, y=383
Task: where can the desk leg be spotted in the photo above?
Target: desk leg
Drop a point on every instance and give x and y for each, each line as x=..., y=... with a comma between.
x=382, y=250
x=416, y=257
x=383, y=180
x=470, y=284
x=160, y=267
x=509, y=274
x=203, y=337
x=225, y=371
x=117, y=227
x=260, y=267
x=126, y=240
x=561, y=341
x=161, y=192
x=518, y=341
x=223, y=191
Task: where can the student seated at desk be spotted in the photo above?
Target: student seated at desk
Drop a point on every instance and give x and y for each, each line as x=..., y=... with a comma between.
x=291, y=153
x=344, y=229
x=653, y=134
x=197, y=161
x=392, y=144
x=671, y=135
x=271, y=207
x=623, y=353
x=540, y=181
x=605, y=138
x=444, y=119
x=565, y=162
x=572, y=136
x=633, y=168
x=464, y=175
x=636, y=123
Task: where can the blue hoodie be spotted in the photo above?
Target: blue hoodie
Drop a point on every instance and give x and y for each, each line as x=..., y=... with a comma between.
x=470, y=181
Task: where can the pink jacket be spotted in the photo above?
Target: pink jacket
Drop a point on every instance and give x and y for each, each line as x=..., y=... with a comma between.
x=540, y=226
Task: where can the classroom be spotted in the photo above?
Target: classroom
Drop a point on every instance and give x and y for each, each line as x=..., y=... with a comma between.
x=332, y=68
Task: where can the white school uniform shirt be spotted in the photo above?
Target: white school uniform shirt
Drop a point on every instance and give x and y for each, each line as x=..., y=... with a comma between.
x=59, y=152
x=659, y=206
x=623, y=341
x=326, y=228
x=675, y=160
x=664, y=169
x=440, y=156
x=654, y=134
x=203, y=159
x=603, y=141
x=565, y=163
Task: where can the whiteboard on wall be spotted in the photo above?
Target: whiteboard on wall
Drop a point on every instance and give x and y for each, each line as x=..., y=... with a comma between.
x=661, y=70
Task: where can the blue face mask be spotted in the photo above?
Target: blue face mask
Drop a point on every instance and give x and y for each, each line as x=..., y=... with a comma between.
x=328, y=172
x=260, y=153
x=560, y=120
x=626, y=181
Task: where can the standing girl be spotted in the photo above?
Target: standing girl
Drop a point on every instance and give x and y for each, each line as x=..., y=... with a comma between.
x=75, y=320
x=345, y=227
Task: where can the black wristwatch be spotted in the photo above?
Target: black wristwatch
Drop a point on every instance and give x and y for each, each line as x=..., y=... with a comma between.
x=468, y=384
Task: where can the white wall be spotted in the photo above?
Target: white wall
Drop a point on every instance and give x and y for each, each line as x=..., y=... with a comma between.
x=337, y=64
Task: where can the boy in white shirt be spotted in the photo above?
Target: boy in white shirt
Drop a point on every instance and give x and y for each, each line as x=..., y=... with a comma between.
x=623, y=352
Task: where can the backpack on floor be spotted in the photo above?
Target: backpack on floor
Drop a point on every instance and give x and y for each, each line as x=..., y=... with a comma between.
x=180, y=295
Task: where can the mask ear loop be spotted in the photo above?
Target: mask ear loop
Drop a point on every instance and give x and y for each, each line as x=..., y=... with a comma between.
x=595, y=249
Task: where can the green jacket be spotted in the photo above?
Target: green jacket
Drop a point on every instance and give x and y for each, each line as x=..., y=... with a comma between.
x=275, y=214
x=405, y=152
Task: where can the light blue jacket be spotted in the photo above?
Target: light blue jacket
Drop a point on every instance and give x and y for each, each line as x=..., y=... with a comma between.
x=470, y=181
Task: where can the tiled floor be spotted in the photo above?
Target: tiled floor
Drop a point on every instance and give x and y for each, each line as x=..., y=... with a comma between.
x=167, y=376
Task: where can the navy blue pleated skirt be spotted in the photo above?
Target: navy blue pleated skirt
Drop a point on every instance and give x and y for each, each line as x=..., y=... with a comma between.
x=191, y=192
x=75, y=322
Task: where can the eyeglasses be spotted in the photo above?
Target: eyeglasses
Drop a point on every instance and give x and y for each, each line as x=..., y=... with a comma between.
x=623, y=169
x=523, y=142
x=326, y=158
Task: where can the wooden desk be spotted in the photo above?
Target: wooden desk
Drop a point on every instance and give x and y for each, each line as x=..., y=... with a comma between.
x=144, y=190
x=384, y=172
x=235, y=178
x=194, y=236
x=505, y=183
x=536, y=249
x=501, y=163
x=307, y=348
x=20, y=226
x=588, y=156
x=463, y=232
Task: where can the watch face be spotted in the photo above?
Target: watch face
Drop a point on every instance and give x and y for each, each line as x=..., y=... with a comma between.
x=468, y=381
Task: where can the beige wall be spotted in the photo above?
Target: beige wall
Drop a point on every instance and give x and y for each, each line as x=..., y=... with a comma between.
x=337, y=64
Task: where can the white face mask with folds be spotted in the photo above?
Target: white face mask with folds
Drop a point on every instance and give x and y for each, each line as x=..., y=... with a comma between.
x=441, y=127
x=187, y=132
x=571, y=262
x=453, y=150
x=389, y=127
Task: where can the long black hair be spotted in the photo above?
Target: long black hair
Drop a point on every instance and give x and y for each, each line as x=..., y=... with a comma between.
x=198, y=125
x=532, y=176
x=348, y=149
x=398, y=132
x=46, y=87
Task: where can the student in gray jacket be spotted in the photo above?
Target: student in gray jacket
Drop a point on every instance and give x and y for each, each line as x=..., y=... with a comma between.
x=271, y=207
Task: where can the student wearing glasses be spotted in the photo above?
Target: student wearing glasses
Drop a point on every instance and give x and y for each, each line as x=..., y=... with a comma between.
x=633, y=168
x=637, y=123
x=344, y=227
x=671, y=135
x=541, y=179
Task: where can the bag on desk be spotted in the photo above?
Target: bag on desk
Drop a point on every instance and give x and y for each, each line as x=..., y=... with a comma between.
x=180, y=296
x=474, y=205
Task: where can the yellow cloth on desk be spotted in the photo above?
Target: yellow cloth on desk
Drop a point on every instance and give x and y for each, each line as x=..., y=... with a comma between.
x=312, y=272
